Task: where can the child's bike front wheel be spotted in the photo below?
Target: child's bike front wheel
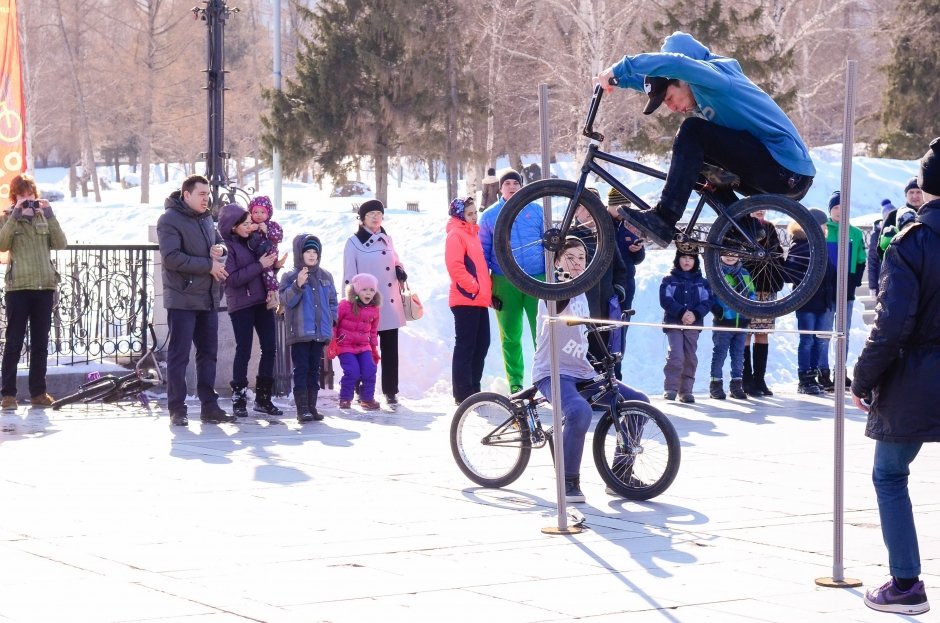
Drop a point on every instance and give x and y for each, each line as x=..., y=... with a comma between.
x=523, y=235
x=490, y=443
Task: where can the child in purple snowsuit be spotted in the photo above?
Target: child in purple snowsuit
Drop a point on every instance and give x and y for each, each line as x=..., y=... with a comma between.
x=264, y=238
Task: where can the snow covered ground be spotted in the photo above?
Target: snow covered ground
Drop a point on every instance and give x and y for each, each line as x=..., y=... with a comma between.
x=419, y=239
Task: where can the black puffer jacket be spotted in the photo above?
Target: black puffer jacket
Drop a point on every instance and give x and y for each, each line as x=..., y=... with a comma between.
x=186, y=238
x=900, y=364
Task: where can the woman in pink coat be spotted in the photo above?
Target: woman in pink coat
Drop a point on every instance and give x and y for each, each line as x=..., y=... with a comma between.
x=357, y=340
x=470, y=295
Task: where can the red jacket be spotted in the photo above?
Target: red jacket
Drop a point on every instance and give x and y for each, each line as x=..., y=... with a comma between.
x=357, y=332
x=470, y=282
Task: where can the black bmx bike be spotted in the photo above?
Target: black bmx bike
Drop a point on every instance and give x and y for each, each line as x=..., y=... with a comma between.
x=636, y=448
x=147, y=374
x=732, y=232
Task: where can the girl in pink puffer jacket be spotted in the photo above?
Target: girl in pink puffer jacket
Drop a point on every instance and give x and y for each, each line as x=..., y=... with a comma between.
x=357, y=328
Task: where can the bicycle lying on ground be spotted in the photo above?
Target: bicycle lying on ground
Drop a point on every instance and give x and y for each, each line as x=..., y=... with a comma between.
x=732, y=232
x=636, y=448
x=147, y=373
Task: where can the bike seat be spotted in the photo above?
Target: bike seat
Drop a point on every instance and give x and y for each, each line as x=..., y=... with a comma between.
x=526, y=394
x=719, y=178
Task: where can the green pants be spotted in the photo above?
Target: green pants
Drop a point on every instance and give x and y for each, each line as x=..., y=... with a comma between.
x=515, y=304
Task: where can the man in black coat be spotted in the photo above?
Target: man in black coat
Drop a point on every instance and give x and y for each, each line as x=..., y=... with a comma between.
x=896, y=384
x=192, y=251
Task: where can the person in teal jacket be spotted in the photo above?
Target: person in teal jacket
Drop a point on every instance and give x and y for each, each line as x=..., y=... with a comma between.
x=511, y=304
x=733, y=124
x=857, y=255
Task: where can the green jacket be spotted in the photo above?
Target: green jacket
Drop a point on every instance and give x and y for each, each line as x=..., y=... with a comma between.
x=29, y=243
x=857, y=254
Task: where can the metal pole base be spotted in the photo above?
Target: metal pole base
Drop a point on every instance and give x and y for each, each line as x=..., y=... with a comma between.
x=556, y=531
x=830, y=582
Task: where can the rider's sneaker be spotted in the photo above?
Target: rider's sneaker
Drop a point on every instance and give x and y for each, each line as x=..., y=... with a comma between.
x=573, y=494
x=651, y=223
x=889, y=598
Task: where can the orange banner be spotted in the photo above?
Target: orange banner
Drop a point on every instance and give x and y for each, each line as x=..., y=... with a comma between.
x=12, y=100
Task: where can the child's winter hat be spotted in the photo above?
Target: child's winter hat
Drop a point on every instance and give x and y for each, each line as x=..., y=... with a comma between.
x=458, y=206
x=928, y=180
x=616, y=198
x=835, y=199
x=886, y=208
x=906, y=216
x=264, y=202
x=312, y=242
x=362, y=281
x=510, y=175
x=819, y=216
x=911, y=185
x=687, y=253
x=372, y=205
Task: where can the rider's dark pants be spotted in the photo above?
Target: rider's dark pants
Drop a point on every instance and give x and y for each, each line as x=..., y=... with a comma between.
x=699, y=141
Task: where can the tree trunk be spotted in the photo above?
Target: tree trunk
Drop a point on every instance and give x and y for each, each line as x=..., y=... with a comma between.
x=381, y=171
x=450, y=164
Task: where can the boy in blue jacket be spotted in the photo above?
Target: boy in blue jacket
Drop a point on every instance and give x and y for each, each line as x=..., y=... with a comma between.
x=732, y=124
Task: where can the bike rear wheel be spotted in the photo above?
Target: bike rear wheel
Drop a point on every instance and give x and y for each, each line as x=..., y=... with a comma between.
x=517, y=214
x=644, y=462
x=726, y=234
x=93, y=390
x=489, y=440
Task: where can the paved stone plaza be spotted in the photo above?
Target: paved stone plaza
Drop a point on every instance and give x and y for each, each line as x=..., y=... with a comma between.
x=109, y=515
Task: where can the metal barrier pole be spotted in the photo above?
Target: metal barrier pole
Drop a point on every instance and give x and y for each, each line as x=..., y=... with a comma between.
x=838, y=580
x=562, y=527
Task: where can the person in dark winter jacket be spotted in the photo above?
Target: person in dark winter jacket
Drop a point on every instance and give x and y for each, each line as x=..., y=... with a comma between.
x=632, y=251
x=896, y=385
x=193, y=269
x=246, y=296
x=308, y=297
x=471, y=294
x=816, y=315
x=605, y=298
x=685, y=298
x=878, y=241
x=730, y=344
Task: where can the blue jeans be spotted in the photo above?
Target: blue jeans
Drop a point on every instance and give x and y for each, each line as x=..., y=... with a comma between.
x=813, y=351
x=725, y=342
x=306, y=358
x=889, y=475
x=577, y=412
x=190, y=328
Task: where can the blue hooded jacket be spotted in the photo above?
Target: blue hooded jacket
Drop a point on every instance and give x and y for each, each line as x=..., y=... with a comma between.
x=310, y=311
x=724, y=95
x=525, y=237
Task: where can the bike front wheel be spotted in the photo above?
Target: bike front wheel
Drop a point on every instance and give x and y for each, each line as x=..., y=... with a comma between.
x=524, y=233
x=794, y=260
x=489, y=440
x=640, y=458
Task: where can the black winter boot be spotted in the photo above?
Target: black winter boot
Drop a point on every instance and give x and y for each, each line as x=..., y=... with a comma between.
x=760, y=368
x=312, y=394
x=716, y=391
x=302, y=406
x=239, y=399
x=736, y=389
x=808, y=383
x=747, y=379
x=264, y=386
x=824, y=380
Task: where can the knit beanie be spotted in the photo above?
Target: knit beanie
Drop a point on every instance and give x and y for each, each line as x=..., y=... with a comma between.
x=312, y=242
x=458, y=205
x=886, y=208
x=835, y=199
x=686, y=253
x=616, y=198
x=929, y=177
x=510, y=175
x=819, y=216
x=911, y=185
x=372, y=205
x=362, y=281
x=491, y=171
x=264, y=202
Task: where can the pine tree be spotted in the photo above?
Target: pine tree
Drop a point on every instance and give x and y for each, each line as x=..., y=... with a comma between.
x=729, y=33
x=911, y=101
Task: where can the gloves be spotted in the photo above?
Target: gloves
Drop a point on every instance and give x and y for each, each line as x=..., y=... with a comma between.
x=47, y=211
x=375, y=355
x=401, y=274
x=496, y=303
x=17, y=213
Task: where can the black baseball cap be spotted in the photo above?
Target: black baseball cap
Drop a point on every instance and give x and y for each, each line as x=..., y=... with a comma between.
x=655, y=87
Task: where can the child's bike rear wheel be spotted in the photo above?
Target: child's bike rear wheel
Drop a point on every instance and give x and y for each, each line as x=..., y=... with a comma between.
x=643, y=463
x=513, y=248
x=490, y=443
x=729, y=235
